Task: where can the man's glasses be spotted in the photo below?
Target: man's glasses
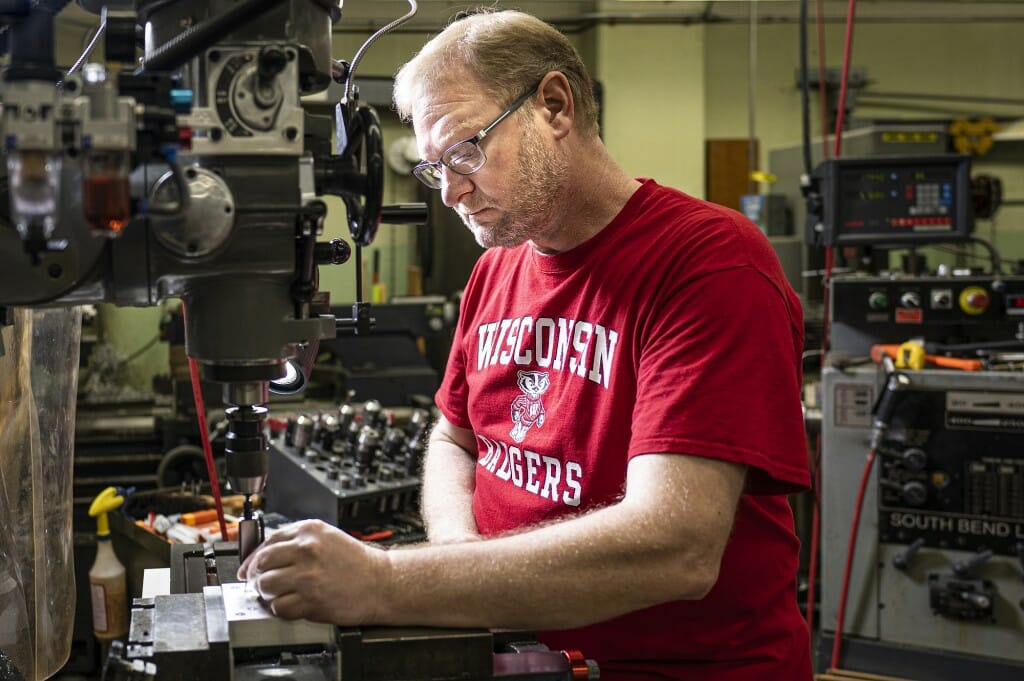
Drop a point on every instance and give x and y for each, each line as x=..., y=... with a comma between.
x=465, y=157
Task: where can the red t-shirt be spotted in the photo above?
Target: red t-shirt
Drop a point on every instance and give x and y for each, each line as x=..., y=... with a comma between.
x=673, y=330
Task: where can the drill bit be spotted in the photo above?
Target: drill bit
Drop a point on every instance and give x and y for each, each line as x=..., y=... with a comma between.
x=250, y=530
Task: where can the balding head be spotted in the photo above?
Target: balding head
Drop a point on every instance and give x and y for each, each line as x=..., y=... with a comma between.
x=507, y=53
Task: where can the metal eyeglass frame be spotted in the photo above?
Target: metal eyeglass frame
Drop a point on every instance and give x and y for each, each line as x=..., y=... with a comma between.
x=429, y=172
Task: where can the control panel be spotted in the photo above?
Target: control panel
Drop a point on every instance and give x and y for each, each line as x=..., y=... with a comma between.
x=943, y=309
x=892, y=200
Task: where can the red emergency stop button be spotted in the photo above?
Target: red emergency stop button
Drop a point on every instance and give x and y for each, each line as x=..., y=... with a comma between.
x=974, y=300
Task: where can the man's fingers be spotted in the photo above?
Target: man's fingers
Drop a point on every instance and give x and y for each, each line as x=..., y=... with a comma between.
x=272, y=554
x=289, y=606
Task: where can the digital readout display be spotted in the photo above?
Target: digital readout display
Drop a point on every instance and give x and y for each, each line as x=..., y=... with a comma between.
x=895, y=200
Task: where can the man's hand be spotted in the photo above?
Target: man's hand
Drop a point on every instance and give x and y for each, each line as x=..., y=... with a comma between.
x=314, y=571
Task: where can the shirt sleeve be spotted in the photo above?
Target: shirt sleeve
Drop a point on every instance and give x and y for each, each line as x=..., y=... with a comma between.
x=452, y=398
x=720, y=377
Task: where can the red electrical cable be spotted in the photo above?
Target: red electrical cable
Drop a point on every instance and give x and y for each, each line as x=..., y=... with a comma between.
x=837, y=642
x=204, y=435
x=829, y=259
x=847, y=51
x=822, y=77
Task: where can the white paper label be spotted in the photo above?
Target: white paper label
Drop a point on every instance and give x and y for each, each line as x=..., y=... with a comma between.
x=99, y=608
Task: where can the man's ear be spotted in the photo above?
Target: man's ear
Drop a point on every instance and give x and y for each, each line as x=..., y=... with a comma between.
x=558, y=106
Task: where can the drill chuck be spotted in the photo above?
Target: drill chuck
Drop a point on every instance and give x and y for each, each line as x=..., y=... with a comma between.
x=246, y=449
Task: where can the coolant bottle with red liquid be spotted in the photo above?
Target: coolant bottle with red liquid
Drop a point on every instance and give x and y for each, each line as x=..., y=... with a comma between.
x=108, y=139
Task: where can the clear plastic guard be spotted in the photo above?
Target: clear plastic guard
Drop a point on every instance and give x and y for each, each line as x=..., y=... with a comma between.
x=38, y=384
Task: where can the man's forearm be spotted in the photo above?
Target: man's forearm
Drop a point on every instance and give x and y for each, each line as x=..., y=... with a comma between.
x=564, y=575
x=662, y=542
x=447, y=500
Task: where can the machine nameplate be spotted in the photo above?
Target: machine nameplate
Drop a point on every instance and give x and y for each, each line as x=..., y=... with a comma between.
x=985, y=402
x=951, y=531
x=853, y=405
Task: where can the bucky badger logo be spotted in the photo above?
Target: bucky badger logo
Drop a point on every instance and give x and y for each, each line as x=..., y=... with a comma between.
x=527, y=409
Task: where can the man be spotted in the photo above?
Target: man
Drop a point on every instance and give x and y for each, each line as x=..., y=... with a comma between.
x=620, y=415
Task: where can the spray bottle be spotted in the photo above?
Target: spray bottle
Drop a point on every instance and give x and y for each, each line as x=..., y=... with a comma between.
x=107, y=576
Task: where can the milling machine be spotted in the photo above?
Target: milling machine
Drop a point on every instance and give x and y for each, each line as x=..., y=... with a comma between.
x=197, y=174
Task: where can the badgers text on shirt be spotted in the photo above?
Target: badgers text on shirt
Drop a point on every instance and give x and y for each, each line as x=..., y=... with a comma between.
x=539, y=474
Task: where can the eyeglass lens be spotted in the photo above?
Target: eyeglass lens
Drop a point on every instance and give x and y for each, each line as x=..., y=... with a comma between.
x=465, y=158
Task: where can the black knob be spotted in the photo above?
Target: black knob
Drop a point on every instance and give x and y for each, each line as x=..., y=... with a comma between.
x=333, y=252
x=915, y=493
x=910, y=300
x=272, y=61
x=915, y=459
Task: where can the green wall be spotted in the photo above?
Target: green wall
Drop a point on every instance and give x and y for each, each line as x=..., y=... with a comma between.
x=654, y=118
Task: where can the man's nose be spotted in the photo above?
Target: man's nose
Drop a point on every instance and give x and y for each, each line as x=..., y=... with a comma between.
x=454, y=186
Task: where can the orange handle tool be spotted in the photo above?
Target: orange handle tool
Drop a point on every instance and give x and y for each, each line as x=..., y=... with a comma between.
x=199, y=517
x=961, y=363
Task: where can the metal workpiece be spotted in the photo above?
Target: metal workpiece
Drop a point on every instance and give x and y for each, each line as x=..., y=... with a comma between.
x=251, y=624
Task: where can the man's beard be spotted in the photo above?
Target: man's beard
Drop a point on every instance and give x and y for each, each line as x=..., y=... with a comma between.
x=540, y=178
